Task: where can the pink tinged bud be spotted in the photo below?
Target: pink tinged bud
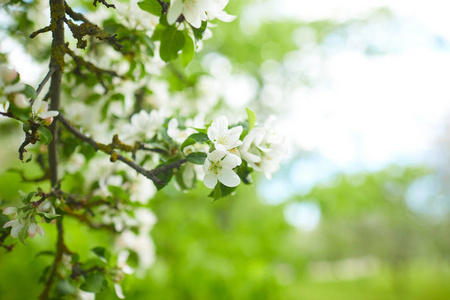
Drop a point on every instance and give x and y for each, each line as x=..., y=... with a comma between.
x=8, y=74
x=48, y=121
x=9, y=211
x=20, y=101
x=32, y=230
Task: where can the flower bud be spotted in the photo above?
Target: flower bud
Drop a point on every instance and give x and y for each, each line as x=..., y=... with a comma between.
x=7, y=73
x=9, y=210
x=20, y=101
x=48, y=121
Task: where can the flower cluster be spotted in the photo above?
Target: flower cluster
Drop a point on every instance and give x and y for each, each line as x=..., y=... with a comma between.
x=10, y=88
x=24, y=223
x=261, y=148
x=196, y=11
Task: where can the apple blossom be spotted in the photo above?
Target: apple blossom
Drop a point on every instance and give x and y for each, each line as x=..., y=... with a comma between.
x=40, y=109
x=219, y=167
x=222, y=137
x=16, y=227
x=33, y=228
x=196, y=11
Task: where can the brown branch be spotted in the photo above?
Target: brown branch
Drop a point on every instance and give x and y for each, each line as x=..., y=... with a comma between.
x=74, y=15
x=84, y=219
x=60, y=250
x=43, y=83
x=81, y=62
x=104, y=3
x=42, y=30
x=150, y=174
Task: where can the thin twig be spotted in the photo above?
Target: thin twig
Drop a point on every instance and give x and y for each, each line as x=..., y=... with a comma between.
x=43, y=83
x=150, y=174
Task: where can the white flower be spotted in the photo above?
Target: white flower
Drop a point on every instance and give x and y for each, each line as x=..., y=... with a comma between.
x=196, y=11
x=144, y=125
x=219, y=167
x=176, y=134
x=10, y=211
x=263, y=149
x=40, y=109
x=16, y=227
x=222, y=137
x=33, y=228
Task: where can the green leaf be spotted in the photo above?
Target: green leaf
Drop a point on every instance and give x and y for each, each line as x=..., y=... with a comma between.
x=197, y=158
x=165, y=177
x=251, y=118
x=158, y=32
x=94, y=283
x=102, y=253
x=221, y=191
x=45, y=253
x=29, y=92
x=198, y=32
x=45, y=135
x=194, y=138
x=217, y=192
x=50, y=216
x=118, y=192
x=23, y=234
x=187, y=142
x=187, y=53
x=63, y=287
x=172, y=41
x=151, y=6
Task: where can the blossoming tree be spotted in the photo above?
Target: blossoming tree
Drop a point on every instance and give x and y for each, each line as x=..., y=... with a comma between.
x=107, y=91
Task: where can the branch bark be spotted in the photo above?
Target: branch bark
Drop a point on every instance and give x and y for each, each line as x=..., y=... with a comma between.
x=150, y=174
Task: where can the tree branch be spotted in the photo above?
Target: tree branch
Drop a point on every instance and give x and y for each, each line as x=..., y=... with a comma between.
x=43, y=83
x=150, y=174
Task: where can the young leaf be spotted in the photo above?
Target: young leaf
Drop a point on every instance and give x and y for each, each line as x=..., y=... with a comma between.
x=29, y=92
x=94, y=283
x=172, y=41
x=187, y=53
x=23, y=234
x=197, y=158
x=102, y=253
x=251, y=118
x=45, y=135
x=151, y=6
x=194, y=138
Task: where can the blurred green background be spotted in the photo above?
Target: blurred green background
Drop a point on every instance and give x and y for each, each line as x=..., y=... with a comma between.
x=323, y=228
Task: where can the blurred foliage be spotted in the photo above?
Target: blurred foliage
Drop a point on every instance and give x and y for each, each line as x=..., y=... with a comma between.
x=241, y=248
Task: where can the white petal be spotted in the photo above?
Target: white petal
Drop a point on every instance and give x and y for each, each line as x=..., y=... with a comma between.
x=11, y=223
x=48, y=114
x=206, y=165
x=10, y=210
x=229, y=178
x=223, y=16
x=36, y=106
x=231, y=161
x=40, y=230
x=174, y=11
x=210, y=180
x=32, y=230
x=193, y=17
x=18, y=87
x=15, y=231
x=118, y=290
x=122, y=258
x=216, y=155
